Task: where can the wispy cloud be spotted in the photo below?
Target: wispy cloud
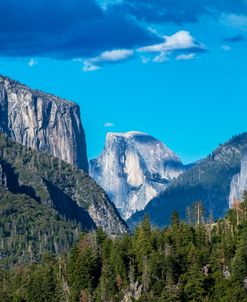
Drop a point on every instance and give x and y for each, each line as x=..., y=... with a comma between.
x=235, y=20
x=90, y=67
x=184, y=11
x=145, y=59
x=32, y=62
x=226, y=47
x=186, y=57
x=107, y=57
x=162, y=57
x=108, y=124
x=181, y=46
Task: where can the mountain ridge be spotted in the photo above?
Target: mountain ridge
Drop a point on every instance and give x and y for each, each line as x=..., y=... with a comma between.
x=209, y=181
x=55, y=192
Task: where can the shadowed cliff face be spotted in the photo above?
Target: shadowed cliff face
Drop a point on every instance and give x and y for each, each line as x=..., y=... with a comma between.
x=57, y=185
x=43, y=122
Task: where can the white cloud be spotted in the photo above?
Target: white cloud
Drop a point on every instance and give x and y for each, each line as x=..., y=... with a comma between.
x=162, y=57
x=180, y=46
x=108, y=124
x=107, y=57
x=114, y=55
x=32, y=62
x=90, y=67
x=186, y=57
x=179, y=41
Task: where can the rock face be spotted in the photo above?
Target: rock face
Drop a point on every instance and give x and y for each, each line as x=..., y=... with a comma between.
x=239, y=181
x=43, y=122
x=133, y=168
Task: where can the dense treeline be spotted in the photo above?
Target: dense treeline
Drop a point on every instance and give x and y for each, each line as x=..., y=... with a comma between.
x=188, y=261
x=29, y=229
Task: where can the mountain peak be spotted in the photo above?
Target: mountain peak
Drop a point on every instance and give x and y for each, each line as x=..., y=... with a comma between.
x=129, y=134
x=133, y=168
x=142, y=139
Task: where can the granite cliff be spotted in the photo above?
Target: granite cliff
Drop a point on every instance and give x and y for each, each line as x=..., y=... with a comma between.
x=239, y=181
x=43, y=122
x=133, y=168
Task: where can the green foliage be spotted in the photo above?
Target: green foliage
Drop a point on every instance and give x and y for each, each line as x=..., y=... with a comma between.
x=28, y=230
x=45, y=284
x=204, y=262
x=201, y=262
x=83, y=268
x=43, y=204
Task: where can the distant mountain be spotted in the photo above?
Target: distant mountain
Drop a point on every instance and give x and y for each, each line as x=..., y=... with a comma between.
x=45, y=203
x=43, y=122
x=209, y=181
x=133, y=168
x=239, y=181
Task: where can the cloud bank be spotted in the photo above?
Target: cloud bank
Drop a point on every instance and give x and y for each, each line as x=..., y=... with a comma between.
x=66, y=29
x=107, y=32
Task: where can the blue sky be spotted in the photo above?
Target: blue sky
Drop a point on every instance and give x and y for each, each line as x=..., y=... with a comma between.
x=176, y=70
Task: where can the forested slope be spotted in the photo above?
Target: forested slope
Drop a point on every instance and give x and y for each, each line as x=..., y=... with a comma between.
x=45, y=203
x=206, y=261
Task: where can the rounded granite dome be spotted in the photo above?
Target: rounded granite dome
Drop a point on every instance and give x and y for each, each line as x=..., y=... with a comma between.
x=133, y=168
